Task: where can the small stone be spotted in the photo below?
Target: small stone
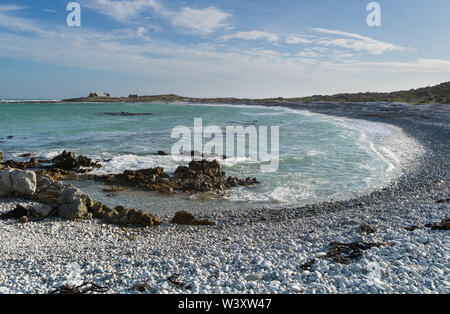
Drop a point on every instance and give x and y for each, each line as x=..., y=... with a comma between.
x=23, y=219
x=253, y=277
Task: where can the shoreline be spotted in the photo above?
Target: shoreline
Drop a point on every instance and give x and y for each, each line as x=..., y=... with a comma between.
x=275, y=255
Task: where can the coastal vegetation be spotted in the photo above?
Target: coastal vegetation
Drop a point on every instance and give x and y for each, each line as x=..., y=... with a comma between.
x=439, y=94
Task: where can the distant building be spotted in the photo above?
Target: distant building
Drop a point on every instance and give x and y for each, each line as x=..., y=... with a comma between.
x=132, y=96
x=94, y=95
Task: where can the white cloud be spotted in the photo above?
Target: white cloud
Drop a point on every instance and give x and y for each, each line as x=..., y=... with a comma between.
x=252, y=35
x=356, y=42
x=121, y=10
x=226, y=70
x=199, y=20
x=203, y=21
x=298, y=39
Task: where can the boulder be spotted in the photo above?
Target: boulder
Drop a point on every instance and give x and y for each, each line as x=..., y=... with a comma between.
x=73, y=204
x=41, y=211
x=17, y=182
x=47, y=190
x=186, y=218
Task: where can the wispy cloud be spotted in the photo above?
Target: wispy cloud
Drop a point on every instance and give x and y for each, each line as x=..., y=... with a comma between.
x=202, y=21
x=356, y=42
x=298, y=39
x=121, y=10
x=253, y=35
x=220, y=65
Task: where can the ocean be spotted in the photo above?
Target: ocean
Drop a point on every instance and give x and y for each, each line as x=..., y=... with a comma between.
x=322, y=158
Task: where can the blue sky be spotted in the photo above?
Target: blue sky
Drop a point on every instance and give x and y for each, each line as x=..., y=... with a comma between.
x=238, y=48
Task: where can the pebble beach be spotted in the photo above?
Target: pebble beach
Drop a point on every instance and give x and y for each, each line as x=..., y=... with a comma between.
x=261, y=250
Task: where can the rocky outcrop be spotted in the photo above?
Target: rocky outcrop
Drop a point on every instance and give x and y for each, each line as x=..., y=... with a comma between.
x=123, y=216
x=15, y=182
x=66, y=165
x=69, y=161
x=126, y=114
x=199, y=176
x=22, y=165
x=56, y=199
x=207, y=176
x=186, y=218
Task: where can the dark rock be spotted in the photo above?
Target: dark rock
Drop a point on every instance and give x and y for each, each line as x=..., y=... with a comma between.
x=412, y=228
x=161, y=153
x=444, y=225
x=342, y=253
x=18, y=212
x=447, y=200
x=200, y=176
x=69, y=161
x=308, y=265
x=366, y=229
x=126, y=114
x=22, y=165
x=10, y=137
x=186, y=218
x=27, y=155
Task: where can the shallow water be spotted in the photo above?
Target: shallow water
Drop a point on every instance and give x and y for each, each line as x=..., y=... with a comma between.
x=321, y=157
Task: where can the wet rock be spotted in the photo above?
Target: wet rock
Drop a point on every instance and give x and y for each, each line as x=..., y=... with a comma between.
x=69, y=161
x=27, y=155
x=126, y=114
x=22, y=165
x=10, y=137
x=206, y=176
x=199, y=176
x=186, y=218
x=56, y=174
x=17, y=182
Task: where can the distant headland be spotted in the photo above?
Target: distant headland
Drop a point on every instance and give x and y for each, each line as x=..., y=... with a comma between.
x=439, y=94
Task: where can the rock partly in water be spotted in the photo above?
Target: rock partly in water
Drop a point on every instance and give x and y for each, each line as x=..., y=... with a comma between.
x=22, y=165
x=199, y=176
x=126, y=114
x=207, y=176
x=15, y=182
x=186, y=218
x=69, y=161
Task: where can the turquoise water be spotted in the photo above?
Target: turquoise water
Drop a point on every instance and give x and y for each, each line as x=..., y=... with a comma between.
x=321, y=157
